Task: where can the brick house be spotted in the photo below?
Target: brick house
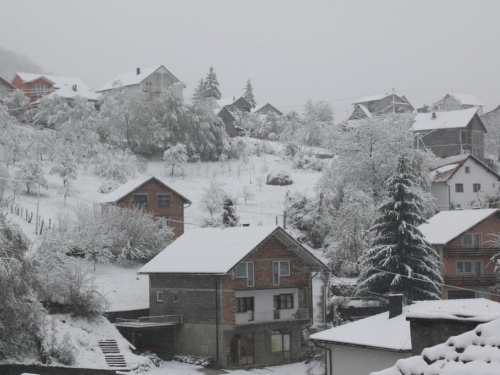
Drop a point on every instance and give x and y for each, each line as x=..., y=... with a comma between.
x=244, y=294
x=380, y=104
x=36, y=86
x=460, y=181
x=466, y=241
x=450, y=133
x=155, y=197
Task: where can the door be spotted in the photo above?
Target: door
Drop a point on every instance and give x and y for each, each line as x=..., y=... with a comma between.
x=242, y=349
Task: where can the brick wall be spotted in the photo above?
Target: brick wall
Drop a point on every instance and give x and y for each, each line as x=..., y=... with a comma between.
x=174, y=212
x=29, y=87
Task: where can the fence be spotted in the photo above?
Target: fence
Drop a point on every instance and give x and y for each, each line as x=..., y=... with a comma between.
x=28, y=216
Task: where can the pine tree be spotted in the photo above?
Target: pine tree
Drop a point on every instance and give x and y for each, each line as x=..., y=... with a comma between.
x=212, y=85
x=249, y=94
x=199, y=91
x=400, y=259
x=229, y=217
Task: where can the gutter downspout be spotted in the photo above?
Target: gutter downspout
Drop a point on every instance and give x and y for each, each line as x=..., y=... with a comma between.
x=449, y=196
x=312, y=297
x=216, y=321
x=329, y=358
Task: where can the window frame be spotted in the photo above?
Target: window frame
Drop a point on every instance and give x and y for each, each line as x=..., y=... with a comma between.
x=277, y=268
x=159, y=296
x=244, y=304
x=158, y=199
x=472, y=237
x=279, y=337
x=288, y=303
x=459, y=188
x=139, y=195
x=476, y=188
x=467, y=169
x=175, y=297
x=249, y=268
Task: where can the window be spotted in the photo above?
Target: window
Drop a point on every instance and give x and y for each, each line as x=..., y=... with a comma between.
x=467, y=169
x=464, y=267
x=245, y=270
x=280, y=342
x=463, y=136
x=459, y=188
x=244, y=304
x=40, y=89
x=283, y=301
x=140, y=200
x=472, y=240
x=159, y=296
x=280, y=268
x=148, y=86
x=175, y=297
x=476, y=187
x=163, y=200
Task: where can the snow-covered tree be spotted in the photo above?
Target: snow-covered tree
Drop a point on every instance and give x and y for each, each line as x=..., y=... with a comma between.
x=199, y=91
x=213, y=197
x=16, y=102
x=448, y=103
x=248, y=95
x=113, y=164
x=212, y=85
x=64, y=165
x=319, y=111
x=31, y=172
x=51, y=112
x=492, y=138
x=400, y=259
x=229, y=216
x=175, y=156
x=42, y=141
x=247, y=194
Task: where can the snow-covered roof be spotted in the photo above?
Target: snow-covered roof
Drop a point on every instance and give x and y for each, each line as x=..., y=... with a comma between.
x=365, y=110
x=131, y=78
x=67, y=92
x=447, y=225
x=466, y=99
x=475, y=352
x=259, y=107
x=445, y=168
x=132, y=185
x=377, y=97
x=229, y=101
x=380, y=332
x=57, y=81
x=443, y=120
x=218, y=250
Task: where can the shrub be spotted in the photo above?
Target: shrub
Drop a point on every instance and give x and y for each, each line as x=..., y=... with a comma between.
x=301, y=161
x=280, y=179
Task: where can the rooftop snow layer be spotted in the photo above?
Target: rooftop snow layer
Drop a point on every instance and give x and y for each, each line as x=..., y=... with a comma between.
x=67, y=92
x=208, y=250
x=130, y=78
x=445, y=168
x=447, y=225
x=443, y=120
x=58, y=81
x=129, y=187
x=365, y=110
x=379, y=331
x=466, y=99
x=474, y=352
x=376, y=97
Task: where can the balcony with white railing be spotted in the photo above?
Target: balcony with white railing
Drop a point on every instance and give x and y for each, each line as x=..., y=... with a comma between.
x=252, y=317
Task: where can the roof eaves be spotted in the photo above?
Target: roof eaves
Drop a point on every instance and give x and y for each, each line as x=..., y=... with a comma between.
x=497, y=212
x=360, y=346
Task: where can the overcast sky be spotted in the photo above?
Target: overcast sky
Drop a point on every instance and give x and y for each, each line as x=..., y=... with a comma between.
x=292, y=50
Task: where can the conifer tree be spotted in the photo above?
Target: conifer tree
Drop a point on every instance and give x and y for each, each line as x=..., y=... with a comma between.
x=212, y=85
x=400, y=259
x=199, y=91
x=229, y=217
x=249, y=94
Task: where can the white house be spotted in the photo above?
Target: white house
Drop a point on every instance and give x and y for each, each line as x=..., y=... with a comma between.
x=467, y=101
x=459, y=181
x=153, y=80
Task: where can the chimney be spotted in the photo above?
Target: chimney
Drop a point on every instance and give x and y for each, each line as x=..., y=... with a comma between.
x=395, y=305
x=433, y=115
x=138, y=71
x=234, y=98
x=75, y=88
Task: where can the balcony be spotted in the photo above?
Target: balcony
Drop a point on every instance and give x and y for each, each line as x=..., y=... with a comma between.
x=470, y=251
x=252, y=317
x=486, y=280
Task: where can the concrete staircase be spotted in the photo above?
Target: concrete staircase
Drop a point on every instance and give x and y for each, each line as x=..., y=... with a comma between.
x=112, y=354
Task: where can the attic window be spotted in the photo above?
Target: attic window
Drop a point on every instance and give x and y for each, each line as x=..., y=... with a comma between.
x=467, y=169
x=163, y=200
x=280, y=268
x=140, y=200
x=245, y=270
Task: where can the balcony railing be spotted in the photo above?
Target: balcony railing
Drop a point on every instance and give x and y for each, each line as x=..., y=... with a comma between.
x=470, y=251
x=146, y=321
x=471, y=280
x=251, y=317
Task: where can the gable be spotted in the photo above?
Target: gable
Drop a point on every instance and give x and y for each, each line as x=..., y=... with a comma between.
x=241, y=103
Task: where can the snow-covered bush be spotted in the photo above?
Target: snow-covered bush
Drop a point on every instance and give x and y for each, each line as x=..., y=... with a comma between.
x=213, y=197
x=292, y=148
x=301, y=161
x=31, y=173
x=115, y=164
x=229, y=216
x=175, y=156
x=194, y=360
x=108, y=186
x=279, y=178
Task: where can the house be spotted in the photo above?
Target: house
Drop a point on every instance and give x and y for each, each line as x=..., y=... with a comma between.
x=423, y=109
x=155, y=197
x=461, y=181
x=5, y=87
x=380, y=104
x=450, y=133
x=267, y=108
x=466, y=101
x=244, y=294
x=152, y=80
x=377, y=342
x=225, y=110
x=473, y=352
x=466, y=241
x=36, y=86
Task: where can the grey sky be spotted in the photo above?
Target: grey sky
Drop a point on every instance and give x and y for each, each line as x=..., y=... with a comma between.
x=292, y=50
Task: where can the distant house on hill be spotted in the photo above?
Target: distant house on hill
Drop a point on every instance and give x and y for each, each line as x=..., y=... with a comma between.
x=466, y=101
x=244, y=294
x=152, y=80
x=36, y=86
x=450, y=133
x=466, y=241
x=5, y=87
x=424, y=109
x=155, y=197
x=380, y=104
x=267, y=108
x=225, y=109
x=459, y=182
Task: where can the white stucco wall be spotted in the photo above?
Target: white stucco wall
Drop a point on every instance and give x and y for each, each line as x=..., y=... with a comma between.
x=349, y=360
x=440, y=193
x=264, y=306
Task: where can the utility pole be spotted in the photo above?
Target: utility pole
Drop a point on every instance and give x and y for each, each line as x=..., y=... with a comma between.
x=393, y=103
x=284, y=220
x=37, y=207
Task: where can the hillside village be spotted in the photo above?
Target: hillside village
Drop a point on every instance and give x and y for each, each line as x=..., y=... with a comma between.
x=149, y=227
